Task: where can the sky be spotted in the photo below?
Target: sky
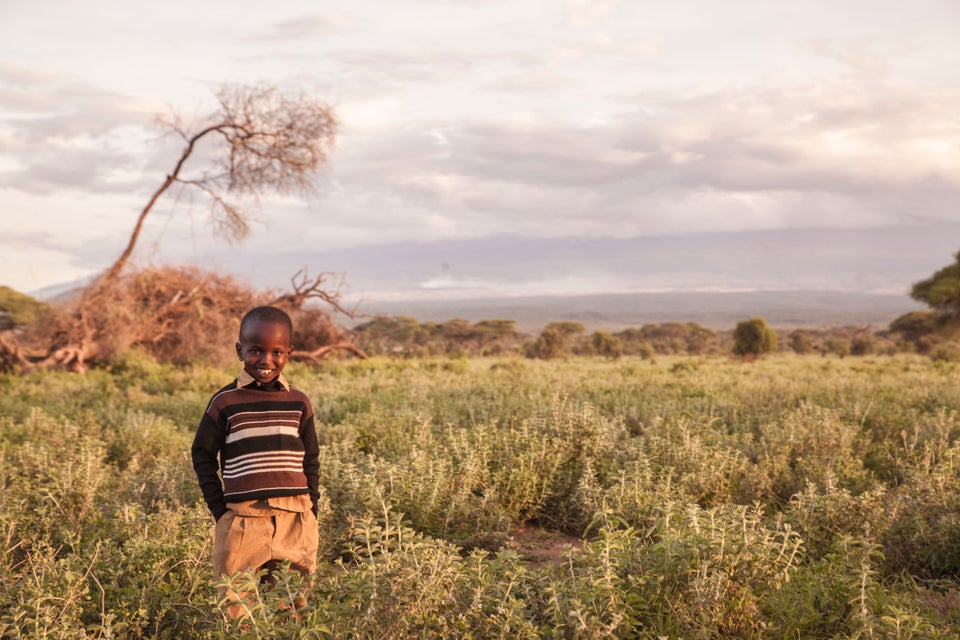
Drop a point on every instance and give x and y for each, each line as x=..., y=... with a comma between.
x=481, y=119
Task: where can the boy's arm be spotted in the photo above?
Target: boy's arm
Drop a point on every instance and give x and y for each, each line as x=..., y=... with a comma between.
x=311, y=456
x=206, y=447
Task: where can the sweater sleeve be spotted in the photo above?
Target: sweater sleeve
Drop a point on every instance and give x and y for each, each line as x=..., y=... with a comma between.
x=206, y=448
x=311, y=455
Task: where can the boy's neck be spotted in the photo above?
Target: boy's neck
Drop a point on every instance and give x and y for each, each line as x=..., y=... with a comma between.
x=244, y=379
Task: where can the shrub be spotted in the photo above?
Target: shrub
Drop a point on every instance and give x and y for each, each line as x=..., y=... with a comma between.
x=802, y=341
x=915, y=325
x=923, y=539
x=18, y=309
x=606, y=344
x=827, y=515
x=837, y=345
x=862, y=344
x=946, y=352
x=549, y=344
x=810, y=444
x=753, y=337
x=693, y=574
x=689, y=483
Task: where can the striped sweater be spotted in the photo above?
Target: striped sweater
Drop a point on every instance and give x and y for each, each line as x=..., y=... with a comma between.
x=262, y=441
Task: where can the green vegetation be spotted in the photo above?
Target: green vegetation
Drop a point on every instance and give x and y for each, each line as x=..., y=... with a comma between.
x=935, y=332
x=941, y=291
x=18, y=309
x=753, y=337
x=555, y=340
x=406, y=337
x=792, y=497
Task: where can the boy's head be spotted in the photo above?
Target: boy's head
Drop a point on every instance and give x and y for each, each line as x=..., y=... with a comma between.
x=265, y=344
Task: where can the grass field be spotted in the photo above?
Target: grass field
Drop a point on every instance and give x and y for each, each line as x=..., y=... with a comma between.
x=791, y=497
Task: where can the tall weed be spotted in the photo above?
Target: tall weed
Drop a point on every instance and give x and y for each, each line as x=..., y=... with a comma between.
x=789, y=497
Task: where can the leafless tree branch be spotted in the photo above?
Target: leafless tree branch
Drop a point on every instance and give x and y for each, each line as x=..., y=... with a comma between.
x=261, y=141
x=307, y=288
x=272, y=142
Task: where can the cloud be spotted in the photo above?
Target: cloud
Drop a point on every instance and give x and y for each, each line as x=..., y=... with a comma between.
x=833, y=153
x=600, y=43
x=532, y=81
x=77, y=161
x=589, y=12
x=399, y=68
x=63, y=134
x=49, y=104
x=310, y=26
x=859, y=56
x=38, y=240
x=24, y=76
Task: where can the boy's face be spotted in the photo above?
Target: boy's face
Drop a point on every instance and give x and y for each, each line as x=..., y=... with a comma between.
x=264, y=347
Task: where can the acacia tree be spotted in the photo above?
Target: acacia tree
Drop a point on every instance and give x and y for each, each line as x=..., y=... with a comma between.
x=606, y=344
x=554, y=340
x=941, y=291
x=485, y=332
x=259, y=141
x=264, y=141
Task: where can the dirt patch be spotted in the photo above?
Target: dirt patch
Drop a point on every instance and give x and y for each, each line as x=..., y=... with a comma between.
x=541, y=547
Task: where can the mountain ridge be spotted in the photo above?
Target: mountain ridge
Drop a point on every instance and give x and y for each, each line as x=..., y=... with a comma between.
x=876, y=260
x=794, y=277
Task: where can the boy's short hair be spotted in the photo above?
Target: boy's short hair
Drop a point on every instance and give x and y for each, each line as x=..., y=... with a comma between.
x=269, y=314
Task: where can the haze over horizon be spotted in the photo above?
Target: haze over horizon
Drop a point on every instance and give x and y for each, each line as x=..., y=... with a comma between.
x=876, y=261
x=579, y=146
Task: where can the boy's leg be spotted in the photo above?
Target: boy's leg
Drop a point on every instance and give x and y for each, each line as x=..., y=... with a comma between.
x=296, y=539
x=240, y=543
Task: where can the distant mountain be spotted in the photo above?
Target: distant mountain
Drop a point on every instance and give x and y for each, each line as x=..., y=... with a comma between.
x=60, y=292
x=795, y=277
x=883, y=260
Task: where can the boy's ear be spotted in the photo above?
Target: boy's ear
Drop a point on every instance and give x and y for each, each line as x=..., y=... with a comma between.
x=239, y=354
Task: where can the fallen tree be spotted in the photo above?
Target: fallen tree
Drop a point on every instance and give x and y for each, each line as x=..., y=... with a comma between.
x=177, y=315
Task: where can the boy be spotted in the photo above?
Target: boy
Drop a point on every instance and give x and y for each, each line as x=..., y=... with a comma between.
x=262, y=430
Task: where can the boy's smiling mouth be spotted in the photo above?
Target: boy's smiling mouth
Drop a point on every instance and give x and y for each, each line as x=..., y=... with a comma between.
x=264, y=347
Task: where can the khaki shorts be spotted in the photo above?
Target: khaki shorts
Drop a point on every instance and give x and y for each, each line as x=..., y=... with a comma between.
x=255, y=542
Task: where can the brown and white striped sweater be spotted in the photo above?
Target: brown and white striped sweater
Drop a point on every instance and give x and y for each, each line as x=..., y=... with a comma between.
x=263, y=442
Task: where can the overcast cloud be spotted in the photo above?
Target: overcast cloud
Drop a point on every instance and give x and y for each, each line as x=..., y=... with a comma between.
x=534, y=119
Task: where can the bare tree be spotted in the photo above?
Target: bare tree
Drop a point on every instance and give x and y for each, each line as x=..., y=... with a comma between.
x=268, y=141
x=260, y=141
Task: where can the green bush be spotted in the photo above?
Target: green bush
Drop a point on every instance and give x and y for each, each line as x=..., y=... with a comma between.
x=945, y=352
x=753, y=337
x=18, y=309
x=606, y=344
x=796, y=497
x=802, y=341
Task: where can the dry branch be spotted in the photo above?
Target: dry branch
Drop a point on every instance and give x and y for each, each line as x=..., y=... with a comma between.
x=261, y=141
x=324, y=352
x=271, y=142
x=307, y=288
